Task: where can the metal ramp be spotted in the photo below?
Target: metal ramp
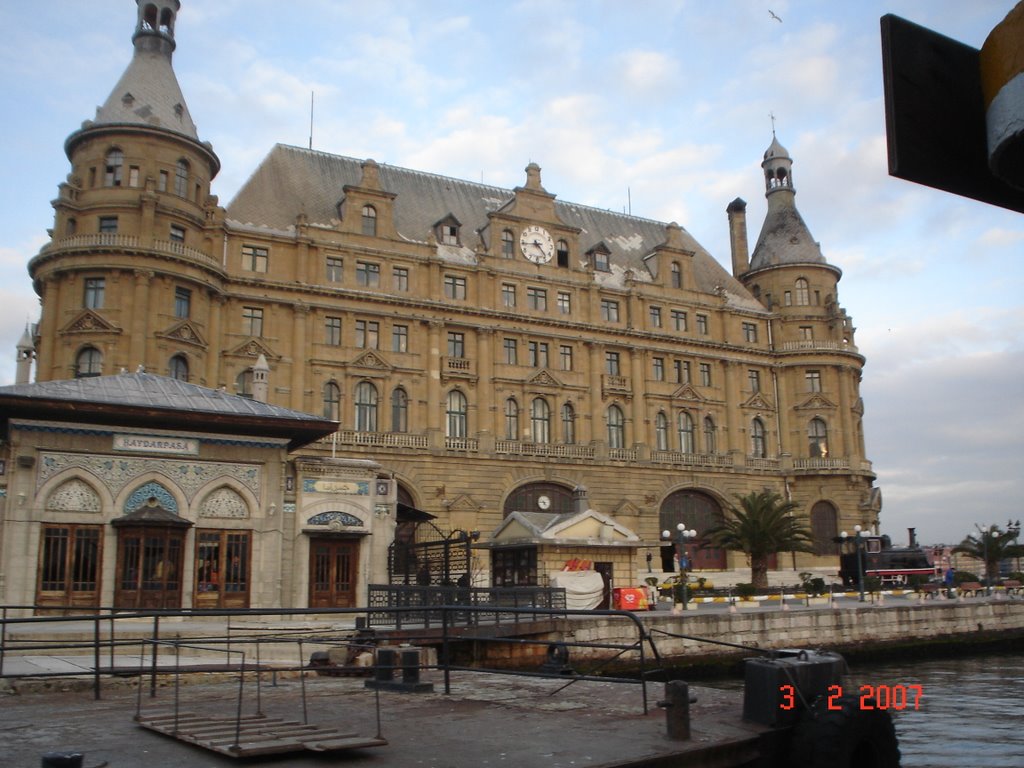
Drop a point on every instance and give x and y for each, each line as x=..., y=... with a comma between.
x=254, y=735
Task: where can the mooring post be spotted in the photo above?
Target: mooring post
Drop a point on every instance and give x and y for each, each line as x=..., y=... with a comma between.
x=677, y=709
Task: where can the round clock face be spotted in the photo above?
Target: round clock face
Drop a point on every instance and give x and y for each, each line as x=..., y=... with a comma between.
x=536, y=244
x=544, y=502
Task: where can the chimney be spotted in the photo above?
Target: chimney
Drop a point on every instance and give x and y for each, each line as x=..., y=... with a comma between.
x=261, y=380
x=737, y=211
x=580, y=503
x=911, y=537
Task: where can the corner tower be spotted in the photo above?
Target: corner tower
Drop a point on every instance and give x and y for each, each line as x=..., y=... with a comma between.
x=128, y=276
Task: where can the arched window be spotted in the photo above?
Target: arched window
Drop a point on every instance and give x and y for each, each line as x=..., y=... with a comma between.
x=677, y=275
x=540, y=420
x=803, y=294
x=366, y=407
x=817, y=439
x=758, y=440
x=686, y=436
x=710, y=434
x=243, y=383
x=332, y=401
x=511, y=419
x=369, y=220
x=399, y=410
x=616, y=427
x=562, y=253
x=178, y=368
x=114, y=168
x=89, y=362
x=661, y=431
x=457, y=422
x=181, y=179
x=507, y=244
x=568, y=424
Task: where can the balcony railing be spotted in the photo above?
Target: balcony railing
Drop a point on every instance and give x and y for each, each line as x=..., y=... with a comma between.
x=821, y=463
x=818, y=345
x=113, y=240
x=379, y=439
x=560, y=451
x=691, y=459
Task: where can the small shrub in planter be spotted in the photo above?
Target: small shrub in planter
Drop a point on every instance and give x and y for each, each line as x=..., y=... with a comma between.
x=745, y=590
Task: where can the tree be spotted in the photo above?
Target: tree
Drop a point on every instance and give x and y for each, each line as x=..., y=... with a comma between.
x=760, y=526
x=990, y=545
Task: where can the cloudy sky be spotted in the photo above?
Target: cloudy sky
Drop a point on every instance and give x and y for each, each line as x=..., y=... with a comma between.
x=662, y=107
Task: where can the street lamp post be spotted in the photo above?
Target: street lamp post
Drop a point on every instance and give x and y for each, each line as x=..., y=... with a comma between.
x=985, y=530
x=858, y=545
x=682, y=535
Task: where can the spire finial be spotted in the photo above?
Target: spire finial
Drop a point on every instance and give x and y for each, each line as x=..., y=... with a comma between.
x=772, y=116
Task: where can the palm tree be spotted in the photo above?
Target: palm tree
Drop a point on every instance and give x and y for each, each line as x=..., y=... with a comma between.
x=990, y=545
x=762, y=525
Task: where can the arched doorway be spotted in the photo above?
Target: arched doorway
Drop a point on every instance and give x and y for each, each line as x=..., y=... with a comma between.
x=150, y=556
x=699, y=512
x=539, y=497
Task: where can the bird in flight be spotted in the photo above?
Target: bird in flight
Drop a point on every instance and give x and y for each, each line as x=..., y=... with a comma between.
x=772, y=14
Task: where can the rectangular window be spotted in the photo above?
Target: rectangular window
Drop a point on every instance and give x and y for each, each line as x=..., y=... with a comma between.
x=367, y=274
x=609, y=311
x=705, y=374
x=600, y=260
x=400, y=279
x=454, y=287
x=678, y=320
x=332, y=331
x=94, y=290
x=367, y=334
x=449, y=234
x=252, y=321
x=108, y=225
x=133, y=176
x=511, y=352
x=702, y=325
x=659, y=368
x=806, y=333
x=456, y=344
x=177, y=233
x=564, y=303
x=182, y=302
x=161, y=182
x=508, y=295
x=538, y=354
x=611, y=363
x=813, y=381
x=537, y=298
x=400, y=338
x=565, y=356
x=254, y=258
x=335, y=266
x=754, y=380
x=750, y=332
x=655, y=317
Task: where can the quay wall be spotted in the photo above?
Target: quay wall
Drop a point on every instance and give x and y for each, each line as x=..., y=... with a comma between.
x=860, y=629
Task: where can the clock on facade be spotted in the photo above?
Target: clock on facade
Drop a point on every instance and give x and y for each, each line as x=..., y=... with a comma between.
x=544, y=502
x=537, y=244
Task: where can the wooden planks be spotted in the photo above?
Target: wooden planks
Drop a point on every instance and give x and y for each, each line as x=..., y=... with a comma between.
x=253, y=735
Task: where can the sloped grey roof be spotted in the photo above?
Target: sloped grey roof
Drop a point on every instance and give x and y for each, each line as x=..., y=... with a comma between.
x=147, y=390
x=292, y=181
x=784, y=238
x=148, y=94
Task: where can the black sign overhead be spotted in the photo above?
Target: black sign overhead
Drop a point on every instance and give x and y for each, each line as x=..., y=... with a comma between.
x=935, y=115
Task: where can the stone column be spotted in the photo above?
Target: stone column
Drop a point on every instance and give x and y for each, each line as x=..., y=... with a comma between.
x=433, y=362
x=300, y=319
x=138, y=326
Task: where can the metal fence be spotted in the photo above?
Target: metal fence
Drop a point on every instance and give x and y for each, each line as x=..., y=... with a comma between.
x=403, y=606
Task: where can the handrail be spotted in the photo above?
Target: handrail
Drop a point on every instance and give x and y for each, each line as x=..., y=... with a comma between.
x=458, y=622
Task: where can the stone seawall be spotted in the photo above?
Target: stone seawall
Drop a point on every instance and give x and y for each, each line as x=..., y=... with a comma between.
x=847, y=629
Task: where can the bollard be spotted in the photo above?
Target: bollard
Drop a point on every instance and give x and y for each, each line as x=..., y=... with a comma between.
x=62, y=760
x=677, y=709
x=387, y=660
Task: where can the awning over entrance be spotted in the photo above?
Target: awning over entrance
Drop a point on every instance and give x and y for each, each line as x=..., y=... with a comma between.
x=408, y=514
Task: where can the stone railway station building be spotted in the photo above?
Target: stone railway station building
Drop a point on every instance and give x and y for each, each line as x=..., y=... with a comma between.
x=485, y=351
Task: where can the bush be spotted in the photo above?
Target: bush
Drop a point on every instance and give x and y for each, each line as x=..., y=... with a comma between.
x=745, y=590
x=959, y=577
x=1016, y=576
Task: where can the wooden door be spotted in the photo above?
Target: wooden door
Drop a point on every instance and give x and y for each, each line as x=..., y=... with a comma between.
x=69, y=566
x=222, y=569
x=149, y=564
x=332, y=572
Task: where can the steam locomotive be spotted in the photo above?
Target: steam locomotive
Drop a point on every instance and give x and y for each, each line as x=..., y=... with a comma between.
x=881, y=560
